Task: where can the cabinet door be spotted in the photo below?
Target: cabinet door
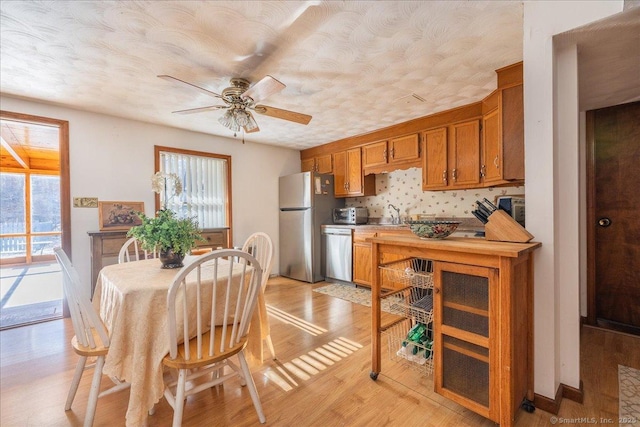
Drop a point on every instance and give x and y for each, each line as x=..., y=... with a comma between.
x=491, y=147
x=464, y=154
x=404, y=148
x=362, y=257
x=434, y=161
x=465, y=335
x=308, y=165
x=340, y=174
x=374, y=154
x=324, y=164
x=354, y=172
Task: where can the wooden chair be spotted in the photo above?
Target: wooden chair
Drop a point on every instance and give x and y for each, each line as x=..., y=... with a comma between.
x=211, y=296
x=138, y=253
x=91, y=338
x=261, y=247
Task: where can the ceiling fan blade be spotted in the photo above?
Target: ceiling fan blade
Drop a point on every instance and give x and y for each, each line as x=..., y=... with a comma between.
x=278, y=113
x=263, y=89
x=200, y=110
x=201, y=89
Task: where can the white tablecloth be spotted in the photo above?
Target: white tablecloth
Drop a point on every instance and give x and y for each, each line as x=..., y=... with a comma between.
x=132, y=300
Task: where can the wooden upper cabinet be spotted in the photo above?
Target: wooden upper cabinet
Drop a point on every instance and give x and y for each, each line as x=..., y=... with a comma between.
x=434, y=162
x=320, y=164
x=324, y=164
x=308, y=165
x=349, y=179
x=396, y=153
x=404, y=148
x=452, y=157
x=464, y=158
x=503, y=137
x=374, y=154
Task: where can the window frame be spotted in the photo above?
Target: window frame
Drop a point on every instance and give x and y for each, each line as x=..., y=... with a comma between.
x=158, y=149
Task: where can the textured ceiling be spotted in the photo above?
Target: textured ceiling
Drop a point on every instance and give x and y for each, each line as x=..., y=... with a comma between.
x=346, y=63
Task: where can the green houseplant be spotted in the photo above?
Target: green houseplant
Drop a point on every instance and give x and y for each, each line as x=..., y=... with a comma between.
x=173, y=237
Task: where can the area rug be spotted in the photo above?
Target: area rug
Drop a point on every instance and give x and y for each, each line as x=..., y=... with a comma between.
x=355, y=295
x=628, y=396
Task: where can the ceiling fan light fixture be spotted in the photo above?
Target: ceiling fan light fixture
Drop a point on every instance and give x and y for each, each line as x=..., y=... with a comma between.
x=251, y=125
x=226, y=119
x=241, y=116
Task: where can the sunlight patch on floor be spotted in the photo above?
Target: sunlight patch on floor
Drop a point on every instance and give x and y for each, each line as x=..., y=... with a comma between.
x=301, y=324
x=314, y=362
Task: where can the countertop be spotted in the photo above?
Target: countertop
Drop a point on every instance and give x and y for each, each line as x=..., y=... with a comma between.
x=468, y=228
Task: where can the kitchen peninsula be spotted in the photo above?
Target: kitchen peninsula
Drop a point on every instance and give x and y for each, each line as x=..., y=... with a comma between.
x=482, y=319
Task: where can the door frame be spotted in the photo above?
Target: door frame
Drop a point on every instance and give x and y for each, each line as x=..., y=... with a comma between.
x=65, y=180
x=590, y=141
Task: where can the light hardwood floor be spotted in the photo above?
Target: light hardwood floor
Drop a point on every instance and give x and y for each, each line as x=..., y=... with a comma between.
x=301, y=388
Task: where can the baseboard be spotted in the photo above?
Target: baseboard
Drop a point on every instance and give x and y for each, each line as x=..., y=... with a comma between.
x=546, y=404
x=575, y=394
x=553, y=405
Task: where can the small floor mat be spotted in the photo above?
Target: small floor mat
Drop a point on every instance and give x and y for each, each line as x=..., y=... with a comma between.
x=628, y=396
x=360, y=296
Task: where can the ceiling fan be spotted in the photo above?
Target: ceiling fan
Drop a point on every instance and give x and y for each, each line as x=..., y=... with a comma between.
x=240, y=99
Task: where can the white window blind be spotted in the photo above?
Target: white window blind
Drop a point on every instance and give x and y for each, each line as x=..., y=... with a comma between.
x=204, y=187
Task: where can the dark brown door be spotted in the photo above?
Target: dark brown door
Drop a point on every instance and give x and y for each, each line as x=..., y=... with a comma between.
x=616, y=215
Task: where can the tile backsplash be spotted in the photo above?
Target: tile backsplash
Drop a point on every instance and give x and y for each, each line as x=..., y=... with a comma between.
x=403, y=189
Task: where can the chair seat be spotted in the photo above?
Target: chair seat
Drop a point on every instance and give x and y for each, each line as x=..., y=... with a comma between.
x=180, y=362
x=82, y=350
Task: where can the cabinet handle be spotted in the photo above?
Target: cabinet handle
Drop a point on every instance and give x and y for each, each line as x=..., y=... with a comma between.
x=393, y=153
x=436, y=290
x=444, y=176
x=495, y=162
x=483, y=169
x=348, y=186
x=384, y=155
x=455, y=175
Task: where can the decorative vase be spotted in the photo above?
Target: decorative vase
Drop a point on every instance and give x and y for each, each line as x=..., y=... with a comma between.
x=170, y=259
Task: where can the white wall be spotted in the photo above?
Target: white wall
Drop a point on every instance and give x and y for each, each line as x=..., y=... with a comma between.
x=113, y=159
x=556, y=287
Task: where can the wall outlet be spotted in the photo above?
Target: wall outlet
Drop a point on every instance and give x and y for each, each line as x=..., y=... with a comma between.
x=85, y=202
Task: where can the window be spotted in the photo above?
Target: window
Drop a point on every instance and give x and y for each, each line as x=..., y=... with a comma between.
x=206, y=185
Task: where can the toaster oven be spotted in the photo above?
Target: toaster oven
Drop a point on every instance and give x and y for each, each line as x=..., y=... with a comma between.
x=350, y=216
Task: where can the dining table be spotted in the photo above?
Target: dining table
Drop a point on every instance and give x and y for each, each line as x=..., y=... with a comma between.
x=131, y=299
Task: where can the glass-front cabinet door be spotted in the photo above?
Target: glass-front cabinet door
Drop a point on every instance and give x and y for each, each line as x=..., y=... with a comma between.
x=466, y=336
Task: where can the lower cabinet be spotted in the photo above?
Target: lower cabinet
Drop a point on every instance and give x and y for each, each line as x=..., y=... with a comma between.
x=463, y=326
x=362, y=257
x=362, y=274
x=481, y=335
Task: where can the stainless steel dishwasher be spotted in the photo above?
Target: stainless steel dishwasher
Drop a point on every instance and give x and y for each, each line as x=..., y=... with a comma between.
x=338, y=253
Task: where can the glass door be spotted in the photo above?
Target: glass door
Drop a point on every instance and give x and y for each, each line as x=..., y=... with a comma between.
x=32, y=222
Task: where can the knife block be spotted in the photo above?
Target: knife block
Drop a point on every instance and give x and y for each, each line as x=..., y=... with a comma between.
x=503, y=228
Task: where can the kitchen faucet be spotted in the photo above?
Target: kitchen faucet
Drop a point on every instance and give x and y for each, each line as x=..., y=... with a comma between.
x=396, y=219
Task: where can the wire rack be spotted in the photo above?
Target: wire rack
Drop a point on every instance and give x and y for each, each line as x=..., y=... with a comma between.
x=415, y=299
x=409, y=272
x=417, y=356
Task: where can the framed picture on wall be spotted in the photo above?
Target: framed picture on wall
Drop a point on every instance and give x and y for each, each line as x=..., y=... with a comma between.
x=117, y=215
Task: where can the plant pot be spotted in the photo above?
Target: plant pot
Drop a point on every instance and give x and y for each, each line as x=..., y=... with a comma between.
x=171, y=259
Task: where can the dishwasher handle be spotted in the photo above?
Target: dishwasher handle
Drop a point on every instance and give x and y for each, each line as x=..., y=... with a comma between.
x=337, y=231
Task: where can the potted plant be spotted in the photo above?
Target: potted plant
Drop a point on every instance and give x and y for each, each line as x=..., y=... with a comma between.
x=171, y=236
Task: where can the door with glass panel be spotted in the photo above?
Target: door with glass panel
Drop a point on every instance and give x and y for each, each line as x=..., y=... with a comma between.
x=31, y=220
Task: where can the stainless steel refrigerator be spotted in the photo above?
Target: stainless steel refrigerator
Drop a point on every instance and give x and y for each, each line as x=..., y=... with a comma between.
x=306, y=203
